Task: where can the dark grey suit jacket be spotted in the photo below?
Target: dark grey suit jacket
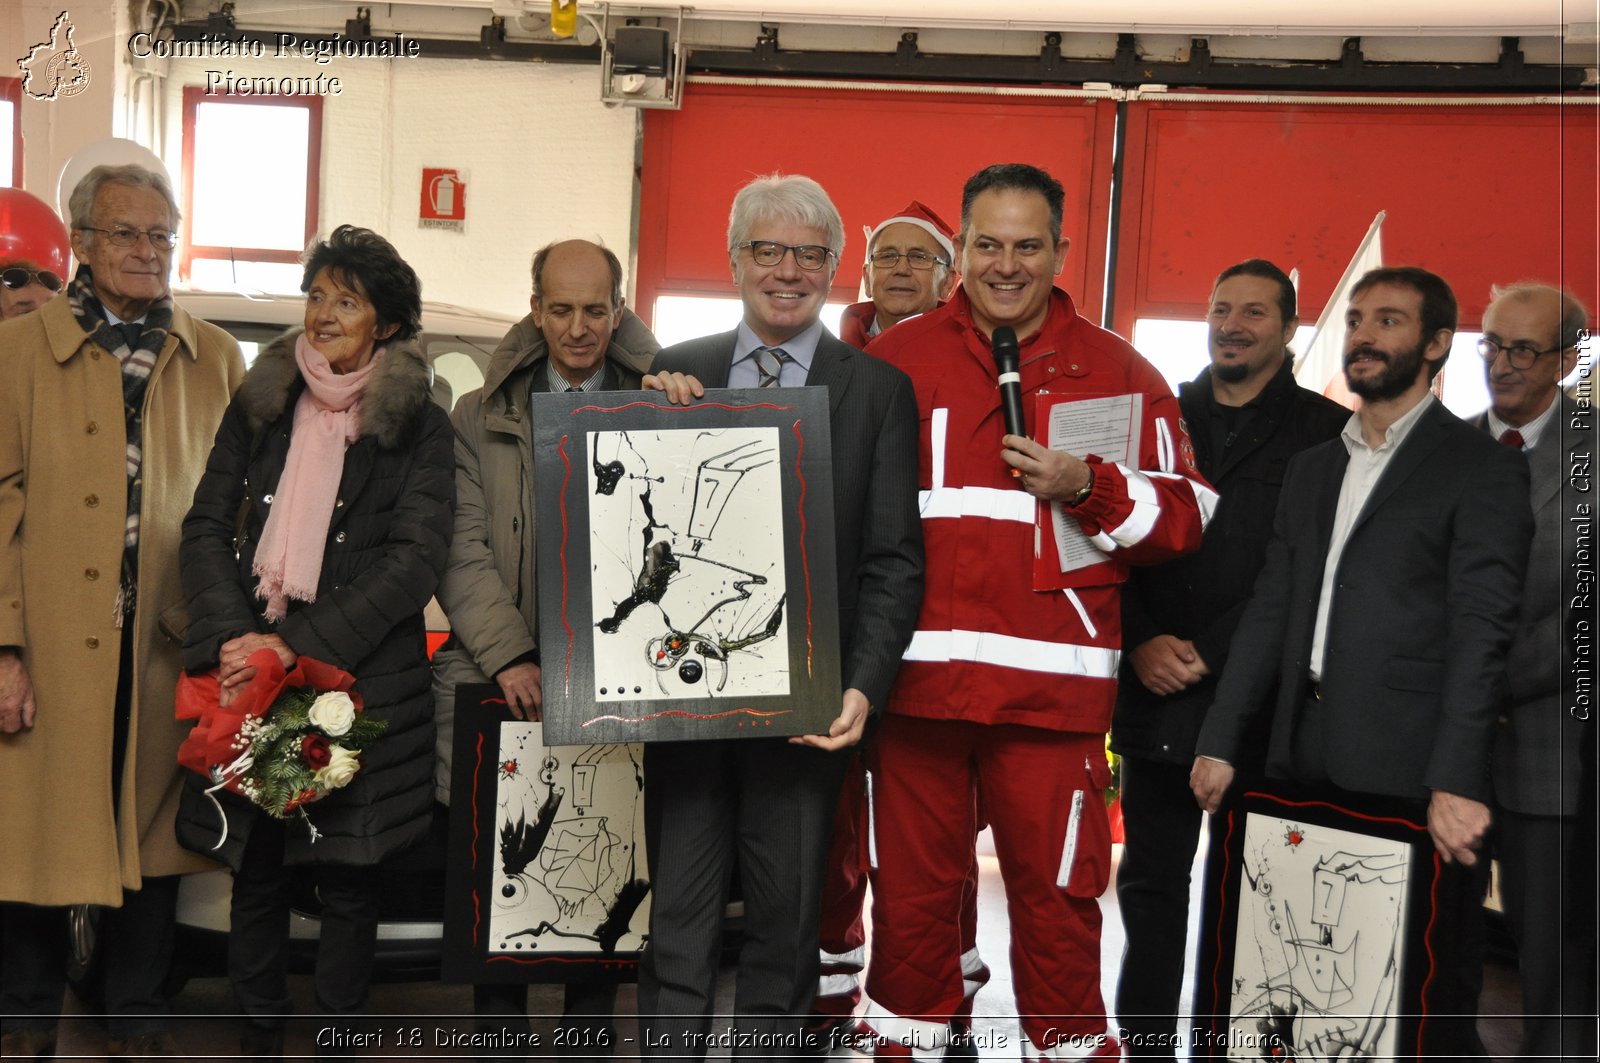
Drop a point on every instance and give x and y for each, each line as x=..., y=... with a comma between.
x=1538, y=743
x=1423, y=608
x=878, y=531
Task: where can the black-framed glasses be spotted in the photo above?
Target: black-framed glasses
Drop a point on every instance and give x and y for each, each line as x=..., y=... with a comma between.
x=810, y=257
x=18, y=277
x=123, y=236
x=1520, y=355
x=917, y=258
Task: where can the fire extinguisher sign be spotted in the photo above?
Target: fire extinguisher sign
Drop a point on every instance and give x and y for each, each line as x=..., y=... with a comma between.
x=444, y=199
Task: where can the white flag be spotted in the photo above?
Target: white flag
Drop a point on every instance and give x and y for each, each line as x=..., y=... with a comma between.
x=1321, y=366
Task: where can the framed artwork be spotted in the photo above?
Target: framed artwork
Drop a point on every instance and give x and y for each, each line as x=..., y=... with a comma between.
x=547, y=880
x=1313, y=937
x=686, y=566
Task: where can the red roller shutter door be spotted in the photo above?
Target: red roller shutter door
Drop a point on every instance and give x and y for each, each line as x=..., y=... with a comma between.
x=1479, y=195
x=872, y=151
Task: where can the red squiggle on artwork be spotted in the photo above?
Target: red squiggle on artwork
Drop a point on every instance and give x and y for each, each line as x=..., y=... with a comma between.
x=805, y=559
x=565, y=480
x=477, y=901
x=690, y=715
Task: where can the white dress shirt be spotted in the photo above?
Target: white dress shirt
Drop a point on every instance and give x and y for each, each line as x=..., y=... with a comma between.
x=1361, y=475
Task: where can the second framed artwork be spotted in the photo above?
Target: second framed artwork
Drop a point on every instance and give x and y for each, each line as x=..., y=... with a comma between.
x=1315, y=937
x=687, y=582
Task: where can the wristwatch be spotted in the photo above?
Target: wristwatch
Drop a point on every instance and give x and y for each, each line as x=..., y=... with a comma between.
x=1082, y=492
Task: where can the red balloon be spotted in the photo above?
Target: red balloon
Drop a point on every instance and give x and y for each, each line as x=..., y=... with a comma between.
x=30, y=230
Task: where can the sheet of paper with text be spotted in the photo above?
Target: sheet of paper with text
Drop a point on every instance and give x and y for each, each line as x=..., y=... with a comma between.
x=1107, y=428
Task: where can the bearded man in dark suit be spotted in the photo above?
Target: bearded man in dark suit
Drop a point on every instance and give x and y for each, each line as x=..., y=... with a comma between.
x=771, y=801
x=1383, y=614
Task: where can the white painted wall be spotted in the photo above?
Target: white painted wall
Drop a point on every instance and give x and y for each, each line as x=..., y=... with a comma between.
x=545, y=160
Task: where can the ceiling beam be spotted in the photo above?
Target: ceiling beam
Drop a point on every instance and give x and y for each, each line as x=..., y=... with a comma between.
x=1351, y=72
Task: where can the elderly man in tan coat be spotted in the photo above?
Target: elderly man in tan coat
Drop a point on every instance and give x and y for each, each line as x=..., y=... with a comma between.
x=111, y=400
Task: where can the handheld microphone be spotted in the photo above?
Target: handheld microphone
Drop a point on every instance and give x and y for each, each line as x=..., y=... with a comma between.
x=1004, y=344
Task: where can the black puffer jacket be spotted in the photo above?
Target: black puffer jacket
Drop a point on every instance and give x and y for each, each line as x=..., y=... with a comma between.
x=1202, y=595
x=385, y=551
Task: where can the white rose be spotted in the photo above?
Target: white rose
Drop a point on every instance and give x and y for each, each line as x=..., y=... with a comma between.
x=341, y=768
x=334, y=713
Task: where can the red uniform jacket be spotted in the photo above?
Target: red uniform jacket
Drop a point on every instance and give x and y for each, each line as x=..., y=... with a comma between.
x=988, y=648
x=855, y=322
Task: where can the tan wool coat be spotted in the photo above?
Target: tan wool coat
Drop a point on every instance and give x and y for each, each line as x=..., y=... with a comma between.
x=63, y=491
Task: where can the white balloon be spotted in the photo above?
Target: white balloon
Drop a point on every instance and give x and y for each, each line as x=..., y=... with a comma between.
x=113, y=151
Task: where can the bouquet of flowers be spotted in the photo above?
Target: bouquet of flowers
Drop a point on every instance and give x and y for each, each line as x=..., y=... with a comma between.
x=287, y=739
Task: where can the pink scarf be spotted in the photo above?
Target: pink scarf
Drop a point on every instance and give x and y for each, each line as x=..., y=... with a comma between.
x=327, y=418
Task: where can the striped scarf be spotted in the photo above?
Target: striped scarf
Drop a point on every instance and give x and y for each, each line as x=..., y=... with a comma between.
x=137, y=363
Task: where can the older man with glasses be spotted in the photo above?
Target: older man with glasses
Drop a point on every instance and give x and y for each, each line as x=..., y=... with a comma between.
x=770, y=801
x=908, y=272
x=1543, y=765
x=112, y=397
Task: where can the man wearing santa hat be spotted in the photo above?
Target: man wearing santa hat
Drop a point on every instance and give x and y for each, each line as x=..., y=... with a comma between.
x=909, y=271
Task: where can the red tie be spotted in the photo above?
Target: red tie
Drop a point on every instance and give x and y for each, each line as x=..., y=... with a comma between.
x=1512, y=438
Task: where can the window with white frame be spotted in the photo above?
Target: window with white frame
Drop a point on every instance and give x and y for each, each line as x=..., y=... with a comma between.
x=246, y=225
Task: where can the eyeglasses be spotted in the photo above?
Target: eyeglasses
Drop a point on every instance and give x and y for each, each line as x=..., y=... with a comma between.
x=810, y=257
x=1520, y=355
x=916, y=258
x=18, y=277
x=122, y=236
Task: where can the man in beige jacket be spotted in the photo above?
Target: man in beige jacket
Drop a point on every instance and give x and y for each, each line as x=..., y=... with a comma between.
x=578, y=337
x=111, y=400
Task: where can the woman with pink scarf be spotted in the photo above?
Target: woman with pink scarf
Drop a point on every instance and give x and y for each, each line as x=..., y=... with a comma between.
x=321, y=528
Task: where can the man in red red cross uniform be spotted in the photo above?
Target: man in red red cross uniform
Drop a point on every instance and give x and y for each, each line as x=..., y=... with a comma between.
x=1008, y=685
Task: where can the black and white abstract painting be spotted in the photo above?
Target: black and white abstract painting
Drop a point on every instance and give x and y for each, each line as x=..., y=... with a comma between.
x=547, y=879
x=1314, y=934
x=692, y=600
x=1320, y=941
x=687, y=586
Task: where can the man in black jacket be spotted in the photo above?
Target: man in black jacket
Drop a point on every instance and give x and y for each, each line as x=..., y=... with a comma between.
x=1247, y=417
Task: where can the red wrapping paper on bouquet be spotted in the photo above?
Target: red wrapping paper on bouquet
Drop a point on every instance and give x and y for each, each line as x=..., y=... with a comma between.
x=214, y=743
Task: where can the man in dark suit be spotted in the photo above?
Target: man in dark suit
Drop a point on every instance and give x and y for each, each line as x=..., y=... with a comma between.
x=1247, y=417
x=578, y=337
x=771, y=801
x=1544, y=784
x=1383, y=614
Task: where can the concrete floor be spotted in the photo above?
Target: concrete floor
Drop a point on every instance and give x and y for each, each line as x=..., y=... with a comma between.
x=416, y=1020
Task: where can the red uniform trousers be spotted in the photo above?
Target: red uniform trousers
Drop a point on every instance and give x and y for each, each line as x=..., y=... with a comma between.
x=1043, y=794
x=844, y=892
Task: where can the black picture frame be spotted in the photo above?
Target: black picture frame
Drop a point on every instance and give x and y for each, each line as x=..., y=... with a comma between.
x=703, y=536
x=547, y=879
x=1304, y=935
